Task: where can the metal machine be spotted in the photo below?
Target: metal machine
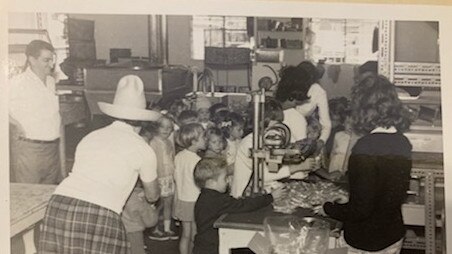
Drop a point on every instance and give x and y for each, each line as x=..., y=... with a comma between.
x=271, y=145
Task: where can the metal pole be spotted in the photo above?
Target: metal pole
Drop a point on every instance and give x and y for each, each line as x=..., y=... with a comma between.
x=256, y=133
x=164, y=41
x=430, y=218
x=261, y=137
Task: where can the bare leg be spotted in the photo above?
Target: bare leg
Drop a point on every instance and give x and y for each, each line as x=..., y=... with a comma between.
x=186, y=238
x=167, y=210
x=159, y=208
x=136, y=242
x=192, y=236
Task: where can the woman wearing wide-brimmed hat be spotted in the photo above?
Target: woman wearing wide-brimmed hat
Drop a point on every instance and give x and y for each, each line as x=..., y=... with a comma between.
x=83, y=215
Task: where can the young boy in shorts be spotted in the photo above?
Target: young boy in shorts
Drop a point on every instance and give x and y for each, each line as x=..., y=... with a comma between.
x=138, y=215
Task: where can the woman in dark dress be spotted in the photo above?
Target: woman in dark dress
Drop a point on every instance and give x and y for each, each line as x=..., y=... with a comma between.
x=379, y=171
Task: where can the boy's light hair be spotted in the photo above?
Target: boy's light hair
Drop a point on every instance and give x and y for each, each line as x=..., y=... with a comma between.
x=189, y=133
x=208, y=168
x=165, y=117
x=186, y=115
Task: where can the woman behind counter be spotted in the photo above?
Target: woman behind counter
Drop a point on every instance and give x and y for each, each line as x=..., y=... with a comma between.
x=379, y=171
x=83, y=215
x=318, y=100
x=293, y=92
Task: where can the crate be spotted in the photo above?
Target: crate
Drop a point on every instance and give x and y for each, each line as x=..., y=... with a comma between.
x=291, y=44
x=226, y=56
x=269, y=42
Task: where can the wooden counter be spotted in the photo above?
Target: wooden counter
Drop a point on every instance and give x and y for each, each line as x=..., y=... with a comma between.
x=28, y=203
x=236, y=230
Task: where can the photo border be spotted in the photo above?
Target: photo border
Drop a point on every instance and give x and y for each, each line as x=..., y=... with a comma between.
x=248, y=8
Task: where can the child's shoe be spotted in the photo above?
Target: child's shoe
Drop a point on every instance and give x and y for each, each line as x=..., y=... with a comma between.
x=171, y=235
x=158, y=235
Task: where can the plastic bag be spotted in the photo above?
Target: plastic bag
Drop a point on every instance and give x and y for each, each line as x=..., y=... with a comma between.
x=315, y=236
x=294, y=235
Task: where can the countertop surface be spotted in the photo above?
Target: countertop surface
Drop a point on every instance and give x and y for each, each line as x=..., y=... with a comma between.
x=27, y=204
x=254, y=220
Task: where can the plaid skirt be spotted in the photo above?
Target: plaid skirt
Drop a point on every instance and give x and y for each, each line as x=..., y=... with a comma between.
x=74, y=226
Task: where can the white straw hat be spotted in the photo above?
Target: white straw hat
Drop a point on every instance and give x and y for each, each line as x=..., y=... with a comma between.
x=129, y=102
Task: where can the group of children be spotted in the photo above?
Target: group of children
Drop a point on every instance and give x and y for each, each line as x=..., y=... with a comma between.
x=196, y=149
x=187, y=141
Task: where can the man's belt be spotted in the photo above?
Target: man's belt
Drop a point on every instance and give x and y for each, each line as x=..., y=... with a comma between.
x=39, y=141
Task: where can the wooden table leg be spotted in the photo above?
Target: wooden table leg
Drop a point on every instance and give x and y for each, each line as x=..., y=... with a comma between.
x=29, y=241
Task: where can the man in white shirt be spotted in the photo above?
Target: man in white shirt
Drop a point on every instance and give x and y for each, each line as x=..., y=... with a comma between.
x=35, y=119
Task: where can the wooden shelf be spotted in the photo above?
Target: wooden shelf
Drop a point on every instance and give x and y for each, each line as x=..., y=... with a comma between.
x=276, y=56
x=414, y=215
x=277, y=39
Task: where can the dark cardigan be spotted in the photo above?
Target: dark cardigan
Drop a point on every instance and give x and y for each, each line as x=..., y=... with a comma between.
x=379, y=173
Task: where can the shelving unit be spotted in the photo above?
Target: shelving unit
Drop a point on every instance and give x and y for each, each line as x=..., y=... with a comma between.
x=278, y=41
x=281, y=34
x=426, y=136
x=426, y=212
x=415, y=66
